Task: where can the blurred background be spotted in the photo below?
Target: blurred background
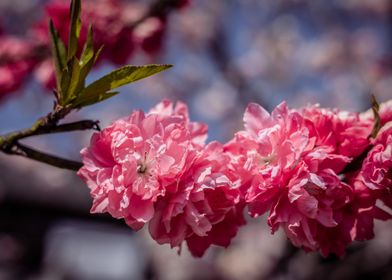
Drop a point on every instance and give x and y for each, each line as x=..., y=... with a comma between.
x=226, y=54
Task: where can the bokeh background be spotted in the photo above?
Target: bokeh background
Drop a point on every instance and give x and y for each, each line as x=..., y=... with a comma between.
x=226, y=54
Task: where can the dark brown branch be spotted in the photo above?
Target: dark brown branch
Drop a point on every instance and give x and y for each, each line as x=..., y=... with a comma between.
x=9, y=143
x=68, y=127
x=356, y=163
x=22, y=150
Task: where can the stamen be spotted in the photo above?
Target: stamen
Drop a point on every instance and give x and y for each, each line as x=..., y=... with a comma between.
x=141, y=168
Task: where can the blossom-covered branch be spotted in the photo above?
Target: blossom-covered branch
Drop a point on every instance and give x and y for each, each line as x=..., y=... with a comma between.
x=297, y=164
x=321, y=175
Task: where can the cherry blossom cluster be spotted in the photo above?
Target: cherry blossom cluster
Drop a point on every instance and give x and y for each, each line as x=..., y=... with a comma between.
x=119, y=26
x=317, y=173
x=156, y=169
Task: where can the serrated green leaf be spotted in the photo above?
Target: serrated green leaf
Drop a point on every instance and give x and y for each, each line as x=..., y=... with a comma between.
x=59, y=56
x=377, y=119
x=122, y=76
x=75, y=28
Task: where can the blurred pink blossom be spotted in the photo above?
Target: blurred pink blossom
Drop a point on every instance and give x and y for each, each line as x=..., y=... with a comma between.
x=16, y=63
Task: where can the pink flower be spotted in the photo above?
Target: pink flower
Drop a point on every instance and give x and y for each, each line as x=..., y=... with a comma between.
x=367, y=208
x=17, y=58
x=150, y=34
x=44, y=73
x=295, y=161
x=156, y=169
x=346, y=132
x=377, y=167
x=132, y=162
x=165, y=109
x=182, y=3
x=203, y=208
x=385, y=113
x=241, y=151
x=108, y=18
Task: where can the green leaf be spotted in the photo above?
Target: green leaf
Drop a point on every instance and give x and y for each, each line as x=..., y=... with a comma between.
x=98, y=53
x=115, y=79
x=377, y=119
x=75, y=28
x=58, y=51
x=92, y=99
x=88, y=49
x=64, y=85
x=122, y=76
x=74, y=81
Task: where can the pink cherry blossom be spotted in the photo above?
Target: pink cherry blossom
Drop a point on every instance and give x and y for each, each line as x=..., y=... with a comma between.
x=203, y=208
x=113, y=22
x=346, y=132
x=377, y=167
x=295, y=160
x=44, y=73
x=108, y=19
x=16, y=61
x=129, y=164
x=367, y=208
x=155, y=168
x=166, y=109
x=385, y=113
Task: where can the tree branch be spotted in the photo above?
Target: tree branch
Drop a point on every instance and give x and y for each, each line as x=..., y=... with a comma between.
x=9, y=143
x=22, y=150
x=45, y=129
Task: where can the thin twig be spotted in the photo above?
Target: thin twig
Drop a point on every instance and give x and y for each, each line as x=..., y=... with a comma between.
x=68, y=127
x=356, y=163
x=47, y=125
x=22, y=150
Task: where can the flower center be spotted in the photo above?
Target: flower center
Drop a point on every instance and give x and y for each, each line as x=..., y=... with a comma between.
x=266, y=160
x=142, y=168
